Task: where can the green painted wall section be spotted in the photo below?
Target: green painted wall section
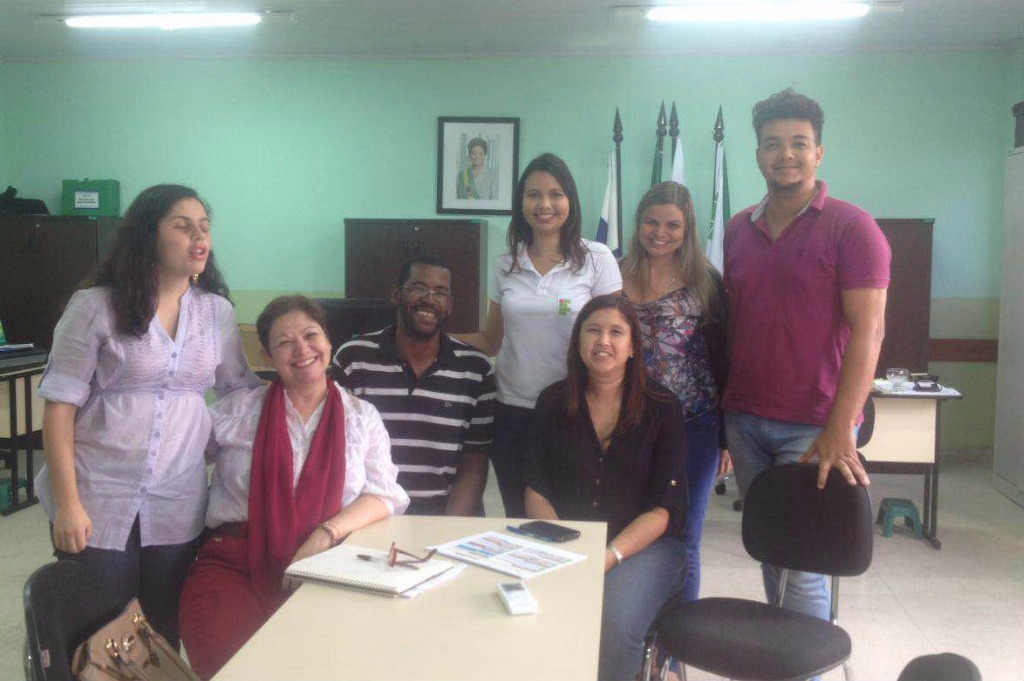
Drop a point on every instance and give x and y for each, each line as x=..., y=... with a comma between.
x=284, y=150
x=1016, y=75
x=3, y=129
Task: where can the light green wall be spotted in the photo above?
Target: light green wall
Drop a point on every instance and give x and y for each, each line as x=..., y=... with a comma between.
x=3, y=131
x=1015, y=79
x=1016, y=60
x=285, y=150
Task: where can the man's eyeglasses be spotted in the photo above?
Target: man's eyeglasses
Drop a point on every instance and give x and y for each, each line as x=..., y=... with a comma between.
x=419, y=292
x=393, y=559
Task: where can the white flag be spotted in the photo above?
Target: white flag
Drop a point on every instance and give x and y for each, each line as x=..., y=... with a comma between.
x=678, y=171
x=609, y=231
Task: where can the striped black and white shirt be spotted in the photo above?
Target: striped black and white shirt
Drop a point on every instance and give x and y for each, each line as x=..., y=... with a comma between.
x=430, y=419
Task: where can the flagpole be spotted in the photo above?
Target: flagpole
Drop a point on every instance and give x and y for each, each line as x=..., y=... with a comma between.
x=659, y=147
x=673, y=129
x=719, y=135
x=719, y=199
x=617, y=138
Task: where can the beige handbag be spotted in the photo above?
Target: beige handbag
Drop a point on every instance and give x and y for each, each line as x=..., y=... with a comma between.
x=128, y=649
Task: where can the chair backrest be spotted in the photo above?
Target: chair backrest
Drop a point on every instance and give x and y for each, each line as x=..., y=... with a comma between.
x=64, y=602
x=867, y=426
x=940, y=667
x=790, y=523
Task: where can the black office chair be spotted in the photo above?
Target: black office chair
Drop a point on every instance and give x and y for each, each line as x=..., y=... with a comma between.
x=64, y=603
x=790, y=523
x=867, y=426
x=940, y=667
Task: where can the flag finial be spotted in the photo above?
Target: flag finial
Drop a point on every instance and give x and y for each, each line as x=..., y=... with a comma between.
x=719, y=127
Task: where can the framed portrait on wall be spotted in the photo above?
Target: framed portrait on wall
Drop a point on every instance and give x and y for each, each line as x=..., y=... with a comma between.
x=477, y=164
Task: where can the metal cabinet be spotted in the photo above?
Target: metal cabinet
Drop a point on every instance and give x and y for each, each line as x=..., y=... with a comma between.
x=43, y=260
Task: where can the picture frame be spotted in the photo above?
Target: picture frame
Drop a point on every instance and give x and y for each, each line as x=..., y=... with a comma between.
x=477, y=165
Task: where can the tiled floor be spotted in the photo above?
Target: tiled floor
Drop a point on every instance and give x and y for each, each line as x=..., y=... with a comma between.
x=967, y=598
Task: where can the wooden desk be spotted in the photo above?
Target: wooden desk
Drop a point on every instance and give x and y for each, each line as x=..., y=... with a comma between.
x=906, y=440
x=459, y=630
x=21, y=434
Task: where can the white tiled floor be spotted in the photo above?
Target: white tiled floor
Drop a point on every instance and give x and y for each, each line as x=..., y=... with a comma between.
x=967, y=598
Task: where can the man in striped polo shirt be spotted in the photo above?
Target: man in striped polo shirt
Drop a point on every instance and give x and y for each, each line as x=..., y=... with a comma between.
x=435, y=393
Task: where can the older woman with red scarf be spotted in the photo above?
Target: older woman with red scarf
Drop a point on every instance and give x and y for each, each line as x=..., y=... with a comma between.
x=300, y=464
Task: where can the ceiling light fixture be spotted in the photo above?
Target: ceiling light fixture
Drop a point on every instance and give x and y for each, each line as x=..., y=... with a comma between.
x=764, y=11
x=166, y=21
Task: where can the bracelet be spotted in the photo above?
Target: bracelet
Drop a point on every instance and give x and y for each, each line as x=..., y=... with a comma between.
x=335, y=539
x=618, y=554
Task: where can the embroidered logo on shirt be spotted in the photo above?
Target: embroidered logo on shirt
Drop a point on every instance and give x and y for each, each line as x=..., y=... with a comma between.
x=563, y=306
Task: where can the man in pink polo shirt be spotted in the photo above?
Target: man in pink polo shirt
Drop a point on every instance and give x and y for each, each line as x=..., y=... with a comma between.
x=807, y=276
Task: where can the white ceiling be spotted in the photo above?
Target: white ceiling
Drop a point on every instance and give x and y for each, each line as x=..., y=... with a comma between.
x=481, y=28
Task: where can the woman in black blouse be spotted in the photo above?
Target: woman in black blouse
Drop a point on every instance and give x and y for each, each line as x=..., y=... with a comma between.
x=608, y=444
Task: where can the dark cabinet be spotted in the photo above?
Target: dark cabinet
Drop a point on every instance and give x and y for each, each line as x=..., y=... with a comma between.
x=909, y=302
x=375, y=251
x=43, y=260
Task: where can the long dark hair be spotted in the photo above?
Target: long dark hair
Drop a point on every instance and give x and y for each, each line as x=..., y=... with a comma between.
x=519, y=230
x=634, y=383
x=130, y=267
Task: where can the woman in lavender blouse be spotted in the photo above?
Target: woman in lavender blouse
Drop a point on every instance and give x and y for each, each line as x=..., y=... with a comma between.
x=125, y=423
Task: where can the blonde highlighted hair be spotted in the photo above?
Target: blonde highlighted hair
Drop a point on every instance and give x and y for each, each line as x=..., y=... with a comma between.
x=698, y=275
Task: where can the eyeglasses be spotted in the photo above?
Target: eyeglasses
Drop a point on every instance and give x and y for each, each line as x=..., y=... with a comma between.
x=419, y=292
x=411, y=561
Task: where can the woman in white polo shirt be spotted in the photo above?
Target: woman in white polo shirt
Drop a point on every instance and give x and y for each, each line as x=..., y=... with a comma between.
x=537, y=289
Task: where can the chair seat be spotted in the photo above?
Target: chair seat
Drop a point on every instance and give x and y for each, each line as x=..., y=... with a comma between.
x=741, y=639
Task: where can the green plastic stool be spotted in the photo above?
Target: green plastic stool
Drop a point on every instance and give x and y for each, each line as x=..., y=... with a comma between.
x=8, y=497
x=891, y=509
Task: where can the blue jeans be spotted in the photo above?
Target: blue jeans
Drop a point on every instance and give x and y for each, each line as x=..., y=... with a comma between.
x=756, y=444
x=508, y=454
x=633, y=594
x=702, y=455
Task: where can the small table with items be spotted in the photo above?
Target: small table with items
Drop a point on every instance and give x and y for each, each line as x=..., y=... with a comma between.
x=906, y=438
x=20, y=431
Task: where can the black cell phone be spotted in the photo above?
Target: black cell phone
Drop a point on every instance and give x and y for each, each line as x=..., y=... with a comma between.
x=542, y=529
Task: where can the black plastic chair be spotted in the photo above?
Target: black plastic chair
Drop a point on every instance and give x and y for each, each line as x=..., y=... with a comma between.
x=790, y=523
x=64, y=602
x=940, y=667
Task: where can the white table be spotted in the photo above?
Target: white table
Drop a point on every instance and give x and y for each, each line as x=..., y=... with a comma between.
x=21, y=417
x=459, y=630
x=906, y=440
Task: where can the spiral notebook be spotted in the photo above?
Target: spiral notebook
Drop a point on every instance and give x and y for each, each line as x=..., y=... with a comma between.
x=343, y=566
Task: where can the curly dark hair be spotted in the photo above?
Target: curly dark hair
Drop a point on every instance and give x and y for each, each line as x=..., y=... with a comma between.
x=789, y=104
x=519, y=230
x=129, y=268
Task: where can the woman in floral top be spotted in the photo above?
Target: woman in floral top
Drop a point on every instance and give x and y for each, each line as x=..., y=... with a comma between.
x=682, y=308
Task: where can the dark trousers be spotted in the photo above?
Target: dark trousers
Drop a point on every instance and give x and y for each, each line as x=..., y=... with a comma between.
x=153, y=574
x=508, y=454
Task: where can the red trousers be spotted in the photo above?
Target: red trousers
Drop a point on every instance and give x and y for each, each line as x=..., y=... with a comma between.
x=219, y=608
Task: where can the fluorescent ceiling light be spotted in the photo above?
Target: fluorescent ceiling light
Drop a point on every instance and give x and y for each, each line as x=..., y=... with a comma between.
x=168, y=22
x=765, y=11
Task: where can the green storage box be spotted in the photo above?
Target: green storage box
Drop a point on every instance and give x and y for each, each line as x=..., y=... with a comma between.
x=91, y=197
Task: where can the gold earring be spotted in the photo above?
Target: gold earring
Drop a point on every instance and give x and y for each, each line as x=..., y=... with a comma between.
x=194, y=278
